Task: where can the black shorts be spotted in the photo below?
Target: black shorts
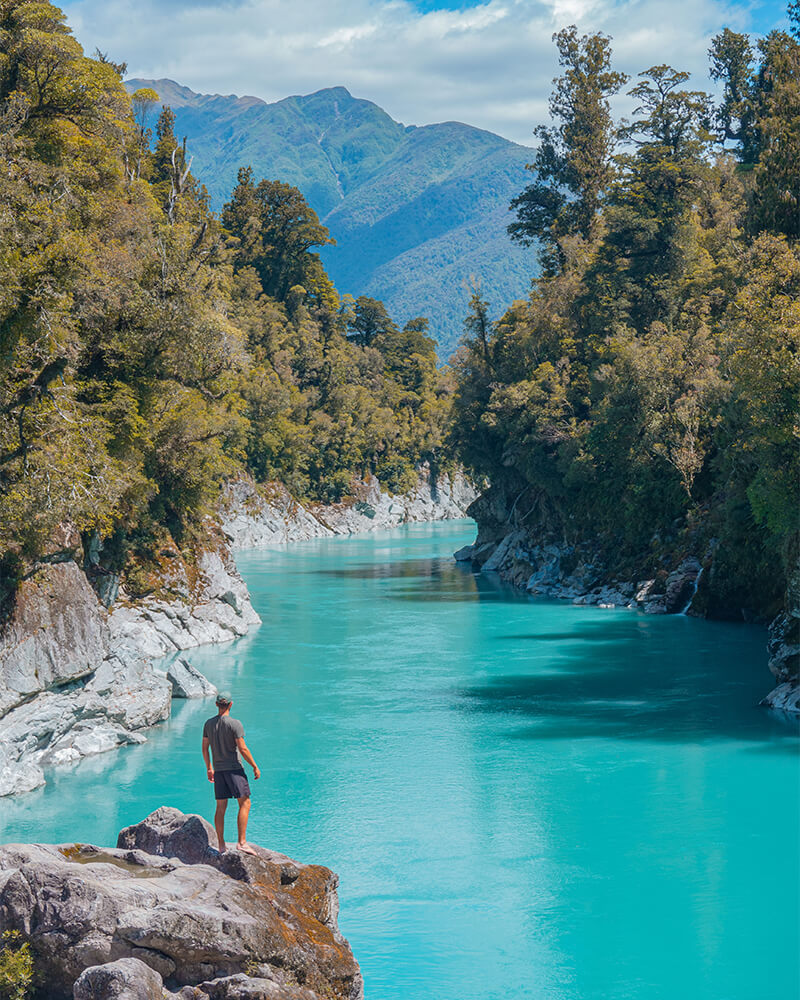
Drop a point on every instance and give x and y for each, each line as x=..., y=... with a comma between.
x=231, y=784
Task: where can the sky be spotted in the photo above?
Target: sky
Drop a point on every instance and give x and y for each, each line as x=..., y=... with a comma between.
x=488, y=63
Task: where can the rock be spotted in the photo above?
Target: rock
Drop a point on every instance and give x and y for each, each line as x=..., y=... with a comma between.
x=218, y=928
x=256, y=517
x=188, y=682
x=125, y=979
x=92, y=716
x=681, y=586
x=464, y=554
x=784, y=651
x=169, y=833
x=785, y=697
x=221, y=611
x=244, y=988
x=57, y=633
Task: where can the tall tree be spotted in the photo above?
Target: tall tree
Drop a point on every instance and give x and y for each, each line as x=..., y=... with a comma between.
x=369, y=320
x=573, y=162
x=277, y=231
x=731, y=56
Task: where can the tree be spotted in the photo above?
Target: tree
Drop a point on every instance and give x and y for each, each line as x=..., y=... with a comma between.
x=573, y=162
x=276, y=229
x=143, y=101
x=370, y=319
x=776, y=195
x=731, y=56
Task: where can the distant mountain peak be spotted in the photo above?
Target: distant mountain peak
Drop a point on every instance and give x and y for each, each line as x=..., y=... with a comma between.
x=416, y=210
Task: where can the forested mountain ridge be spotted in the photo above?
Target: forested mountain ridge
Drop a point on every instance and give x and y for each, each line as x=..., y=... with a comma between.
x=416, y=212
x=642, y=405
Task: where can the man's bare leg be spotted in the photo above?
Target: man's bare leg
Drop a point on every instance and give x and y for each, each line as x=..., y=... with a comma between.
x=241, y=824
x=219, y=823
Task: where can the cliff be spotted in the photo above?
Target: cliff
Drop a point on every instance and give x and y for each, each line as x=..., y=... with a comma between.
x=257, y=517
x=164, y=915
x=79, y=678
x=535, y=555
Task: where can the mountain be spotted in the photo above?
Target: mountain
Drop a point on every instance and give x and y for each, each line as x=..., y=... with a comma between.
x=417, y=212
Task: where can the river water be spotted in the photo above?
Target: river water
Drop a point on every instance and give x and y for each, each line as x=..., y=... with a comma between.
x=523, y=799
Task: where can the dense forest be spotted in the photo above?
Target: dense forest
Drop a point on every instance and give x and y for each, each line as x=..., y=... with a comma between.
x=151, y=348
x=645, y=399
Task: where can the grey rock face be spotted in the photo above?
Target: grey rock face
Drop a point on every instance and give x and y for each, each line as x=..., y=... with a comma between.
x=253, y=518
x=76, y=680
x=60, y=727
x=125, y=979
x=188, y=682
x=784, y=651
x=57, y=633
x=222, y=612
x=265, y=918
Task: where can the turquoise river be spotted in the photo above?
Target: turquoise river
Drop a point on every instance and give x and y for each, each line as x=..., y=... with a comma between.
x=523, y=799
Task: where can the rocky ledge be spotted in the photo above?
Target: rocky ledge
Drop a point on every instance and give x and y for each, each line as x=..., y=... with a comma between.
x=258, y=517
x=784, y=652
x=78, y=679
x=164, y=915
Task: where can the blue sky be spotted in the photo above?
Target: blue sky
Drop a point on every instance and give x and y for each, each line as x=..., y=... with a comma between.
x=487, y=62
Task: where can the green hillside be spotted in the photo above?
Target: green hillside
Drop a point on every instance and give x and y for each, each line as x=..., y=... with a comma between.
x=417, y=213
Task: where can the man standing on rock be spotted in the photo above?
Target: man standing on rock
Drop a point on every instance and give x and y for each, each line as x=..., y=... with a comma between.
x=225, y=737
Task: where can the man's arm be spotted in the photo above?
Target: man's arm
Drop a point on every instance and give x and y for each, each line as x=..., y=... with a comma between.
x=207, y=758
x=241, y=746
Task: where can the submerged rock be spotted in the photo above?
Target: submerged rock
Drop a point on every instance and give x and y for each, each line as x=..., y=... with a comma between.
x=224, y=926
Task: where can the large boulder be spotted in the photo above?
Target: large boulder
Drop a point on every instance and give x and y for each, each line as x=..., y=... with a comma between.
x=125, y=979
x=166, y=898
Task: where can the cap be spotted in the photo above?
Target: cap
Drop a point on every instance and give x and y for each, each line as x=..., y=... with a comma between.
x=224, y=698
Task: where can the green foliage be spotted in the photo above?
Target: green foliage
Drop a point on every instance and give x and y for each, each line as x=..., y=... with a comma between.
x=16, y=967
x=573, y=161
x=369, y=320
x=149, y=349
x=276, y=229
x=646, y=397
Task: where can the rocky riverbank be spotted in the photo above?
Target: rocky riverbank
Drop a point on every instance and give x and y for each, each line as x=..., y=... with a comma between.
x=164, y=915
x=544, y=564
x=88, y=662
x=258, y=517
x=78, y=678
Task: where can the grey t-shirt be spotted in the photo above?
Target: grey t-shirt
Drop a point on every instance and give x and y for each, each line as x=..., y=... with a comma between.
x=222, y=732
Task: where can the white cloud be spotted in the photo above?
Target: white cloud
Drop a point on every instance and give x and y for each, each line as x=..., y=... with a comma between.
x=490, y=65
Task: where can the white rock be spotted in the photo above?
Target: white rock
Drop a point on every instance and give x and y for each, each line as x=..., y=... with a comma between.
x=188, y=682
x=785, y=697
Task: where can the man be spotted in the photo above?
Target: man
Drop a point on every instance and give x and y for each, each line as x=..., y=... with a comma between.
x=225, y=737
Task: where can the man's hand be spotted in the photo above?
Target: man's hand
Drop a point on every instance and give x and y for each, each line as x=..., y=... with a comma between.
x=210, y=773
x=256, y=772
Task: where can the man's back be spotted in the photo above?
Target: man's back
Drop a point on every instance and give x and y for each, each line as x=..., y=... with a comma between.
x=222, y=732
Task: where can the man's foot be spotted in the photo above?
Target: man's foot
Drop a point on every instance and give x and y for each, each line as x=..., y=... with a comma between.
x=245, y=848
x=222, y=847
